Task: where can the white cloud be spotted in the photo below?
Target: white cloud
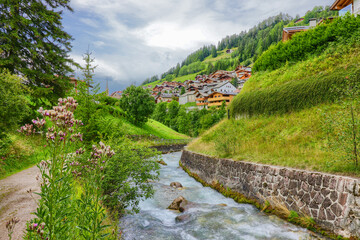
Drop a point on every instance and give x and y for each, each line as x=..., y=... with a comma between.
x=135, y=39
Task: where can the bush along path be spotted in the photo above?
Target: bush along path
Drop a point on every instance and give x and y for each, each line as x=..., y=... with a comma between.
x=18, y=201
x=70, y=204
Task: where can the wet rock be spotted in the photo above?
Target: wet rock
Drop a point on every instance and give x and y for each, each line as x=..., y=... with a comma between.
x=161, y=162
x=176, y=185
x=178, y=204
x=222, y=205
x=182, y=218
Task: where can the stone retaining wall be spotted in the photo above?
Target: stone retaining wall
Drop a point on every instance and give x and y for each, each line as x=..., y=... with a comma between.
x=333, y=201
x=169, y=148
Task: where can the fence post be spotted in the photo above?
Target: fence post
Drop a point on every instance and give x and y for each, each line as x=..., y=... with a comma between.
x=228, y=114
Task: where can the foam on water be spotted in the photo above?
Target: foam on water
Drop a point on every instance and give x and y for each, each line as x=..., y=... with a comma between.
x=206, y=219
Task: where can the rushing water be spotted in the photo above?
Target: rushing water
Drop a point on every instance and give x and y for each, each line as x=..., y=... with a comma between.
x=213, y=217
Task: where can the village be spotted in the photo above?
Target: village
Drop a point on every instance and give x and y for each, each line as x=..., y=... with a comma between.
x=203, y=92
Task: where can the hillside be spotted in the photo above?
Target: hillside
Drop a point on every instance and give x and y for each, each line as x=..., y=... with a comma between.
x=244, y=48
x=282, y=115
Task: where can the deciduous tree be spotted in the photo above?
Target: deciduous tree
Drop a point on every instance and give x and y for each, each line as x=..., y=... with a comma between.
x=138, y=104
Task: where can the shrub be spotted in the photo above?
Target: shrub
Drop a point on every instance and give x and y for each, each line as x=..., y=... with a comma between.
x=304, y=44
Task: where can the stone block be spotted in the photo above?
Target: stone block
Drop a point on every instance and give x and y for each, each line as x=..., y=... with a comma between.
x=311, y=179
x=326, y=181
x=306, y=198
x=325, y=192
x=326, y=203
x=334, y=196
x=322, y=214
x=314, y=213
x=300, y=194
x=340, y=185
x=343, y=199
x=305, y=186
x=319, y=198
x=329, y=215
x=336, y=209
x=332, y=184
x=293, y=184
x=318, y=179
x=313, y=204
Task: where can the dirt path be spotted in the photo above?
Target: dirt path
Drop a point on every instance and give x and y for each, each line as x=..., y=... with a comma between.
x=16, y=202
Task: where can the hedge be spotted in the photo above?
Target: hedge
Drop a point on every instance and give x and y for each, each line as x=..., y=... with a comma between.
x=292, y=96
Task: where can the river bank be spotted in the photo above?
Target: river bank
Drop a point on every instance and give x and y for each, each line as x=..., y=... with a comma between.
x=332, y=201
x=211, y=216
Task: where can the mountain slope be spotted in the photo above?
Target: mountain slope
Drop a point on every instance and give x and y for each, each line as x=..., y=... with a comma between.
x=280, y=117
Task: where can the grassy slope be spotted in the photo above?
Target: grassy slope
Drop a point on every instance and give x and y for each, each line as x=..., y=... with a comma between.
x=335, y=62
x=295, y=139
x=25, y=152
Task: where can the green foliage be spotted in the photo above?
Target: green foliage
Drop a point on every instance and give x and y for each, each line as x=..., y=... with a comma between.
x=159, y=113
x=189, y=122
x=234, y=82
x=127, y=175
x=34, y=44
x=293, y=216
x=305, y=44
x=285, y=98
x=172, y=113
x=182, y=121
x=182, y=91
x=138, y=104
x=343, y=126
x=14, y=103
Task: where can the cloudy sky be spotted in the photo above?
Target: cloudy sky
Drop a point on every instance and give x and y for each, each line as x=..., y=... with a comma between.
x=135, y=39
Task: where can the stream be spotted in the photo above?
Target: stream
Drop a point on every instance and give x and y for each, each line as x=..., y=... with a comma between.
x=213, y=217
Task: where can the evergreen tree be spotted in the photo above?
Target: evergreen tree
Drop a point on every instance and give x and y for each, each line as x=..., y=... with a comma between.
x=213, y=52
x=182, y=91
x=33, y=44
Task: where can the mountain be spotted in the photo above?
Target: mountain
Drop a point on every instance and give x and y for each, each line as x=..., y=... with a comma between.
x=238, y=49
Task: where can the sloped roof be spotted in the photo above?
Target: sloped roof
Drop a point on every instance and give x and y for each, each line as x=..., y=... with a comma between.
x=340, y=4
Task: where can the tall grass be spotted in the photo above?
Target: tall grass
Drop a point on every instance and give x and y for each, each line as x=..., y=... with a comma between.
x=292, y=140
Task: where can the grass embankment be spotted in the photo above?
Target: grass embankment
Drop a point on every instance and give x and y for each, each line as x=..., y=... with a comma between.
x=291, y=140
x=22, y=153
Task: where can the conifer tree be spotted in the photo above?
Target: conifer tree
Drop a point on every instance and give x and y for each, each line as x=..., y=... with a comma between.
x=33, y=44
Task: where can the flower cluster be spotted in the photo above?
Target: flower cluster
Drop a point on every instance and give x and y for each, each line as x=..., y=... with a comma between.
x=28, y=129
x=63, y=120
x=62, y=115
x=96, y=160
x=39, y=123
x=38, y=229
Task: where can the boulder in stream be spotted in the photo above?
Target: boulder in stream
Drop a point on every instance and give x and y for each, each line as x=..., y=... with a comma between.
x=182, y=218
x=162, y=162
x=178, y=204
x=176, y=185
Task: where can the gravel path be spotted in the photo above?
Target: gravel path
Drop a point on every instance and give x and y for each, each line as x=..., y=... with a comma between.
x=15, y=201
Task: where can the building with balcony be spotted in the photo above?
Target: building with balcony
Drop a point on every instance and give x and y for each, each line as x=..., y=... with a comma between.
x=217, y=98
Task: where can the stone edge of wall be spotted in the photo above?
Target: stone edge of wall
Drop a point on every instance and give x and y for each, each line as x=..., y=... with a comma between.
x=169, y=148
x=332, y=201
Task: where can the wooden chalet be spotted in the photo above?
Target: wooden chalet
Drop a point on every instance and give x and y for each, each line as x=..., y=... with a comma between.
x=341, y=4
x=217, y=98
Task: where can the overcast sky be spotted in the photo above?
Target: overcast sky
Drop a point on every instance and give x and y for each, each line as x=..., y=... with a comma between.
x=135, y=39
